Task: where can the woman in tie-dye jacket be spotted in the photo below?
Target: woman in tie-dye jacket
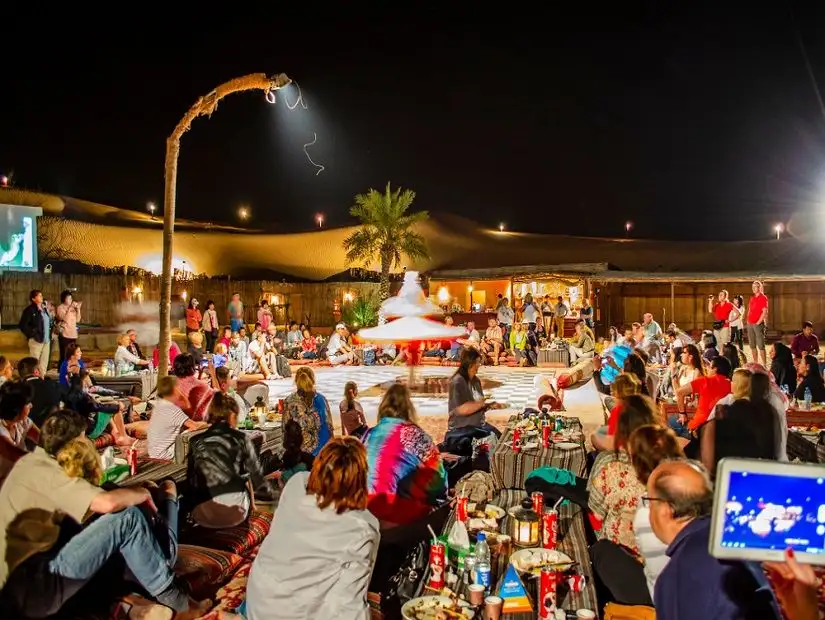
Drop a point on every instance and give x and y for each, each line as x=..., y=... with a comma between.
x=406, y=476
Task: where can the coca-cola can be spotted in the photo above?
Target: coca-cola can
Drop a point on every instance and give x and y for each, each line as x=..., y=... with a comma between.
x=545, y=436
x=461, y=509
x=516, y=440
x=547, y=594
x=132, y=460
x=437, y=566
x=538, y=502
x=576, y=583
x=550, y=529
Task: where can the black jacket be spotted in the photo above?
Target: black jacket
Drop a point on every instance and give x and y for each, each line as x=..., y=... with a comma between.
x=31, y=324
x=47, y=394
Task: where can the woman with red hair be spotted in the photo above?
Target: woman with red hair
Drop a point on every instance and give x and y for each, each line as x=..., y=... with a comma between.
x=317, y=560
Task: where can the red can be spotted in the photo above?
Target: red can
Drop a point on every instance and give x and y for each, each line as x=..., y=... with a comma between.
x=538, y=502
x=516, y=439
x=550, y=529
x=461, y=509
x=576, y=583
x=547, y=594
x=281, y=405
x=545, y=436
x=437, y=566
x=132, y=460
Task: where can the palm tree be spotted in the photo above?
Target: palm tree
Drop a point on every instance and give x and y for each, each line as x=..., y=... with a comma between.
x=386, y=232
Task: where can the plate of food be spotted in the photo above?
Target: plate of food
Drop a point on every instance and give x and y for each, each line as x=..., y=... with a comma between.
x=531, y=561
x=484, y=517
x=433, y=608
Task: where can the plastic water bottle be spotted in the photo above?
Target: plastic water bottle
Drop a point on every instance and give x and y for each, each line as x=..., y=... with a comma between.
x=482, y=554
x=808, y=398
x=151, y=367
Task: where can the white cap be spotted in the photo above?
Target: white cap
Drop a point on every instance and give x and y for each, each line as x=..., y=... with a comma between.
x=340, y=326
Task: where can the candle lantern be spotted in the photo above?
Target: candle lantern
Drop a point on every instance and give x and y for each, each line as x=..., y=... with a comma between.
x=525, y=525
x=260, y=410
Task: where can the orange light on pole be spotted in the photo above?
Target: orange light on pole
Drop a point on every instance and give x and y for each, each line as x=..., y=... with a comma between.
x=320, y=220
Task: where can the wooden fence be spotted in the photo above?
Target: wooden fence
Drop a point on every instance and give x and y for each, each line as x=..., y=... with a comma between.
x=314, y=303
x=789, y=303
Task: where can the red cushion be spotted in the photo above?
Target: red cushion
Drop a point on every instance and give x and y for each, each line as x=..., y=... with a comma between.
x=104, y=440
x=205, y=570
x=241, y=539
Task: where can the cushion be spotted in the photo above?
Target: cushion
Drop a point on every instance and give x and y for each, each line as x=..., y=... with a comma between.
x=104, y=440
x=231, y=596
x=205, y=570
x=240, y=540
x=138, y=429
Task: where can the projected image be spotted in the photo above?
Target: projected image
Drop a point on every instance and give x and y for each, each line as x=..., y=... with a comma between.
x=18, y=237
x=766, y=511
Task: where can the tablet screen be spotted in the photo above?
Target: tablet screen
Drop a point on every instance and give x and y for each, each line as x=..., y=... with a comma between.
x=774, y=512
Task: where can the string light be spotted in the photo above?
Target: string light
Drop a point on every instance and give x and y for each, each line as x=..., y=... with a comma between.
x=319, y=166
x=269, y=95
x=299, y=101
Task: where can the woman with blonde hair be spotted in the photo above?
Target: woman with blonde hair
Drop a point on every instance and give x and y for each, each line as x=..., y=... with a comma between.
x=624, y=386
x=317, y=560
x=125, y=360
x=80, y=459
x=407, y=478
x=310, y=410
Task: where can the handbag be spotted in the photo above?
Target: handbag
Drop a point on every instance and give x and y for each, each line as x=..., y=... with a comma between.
x=407, y=582
x=717, y=325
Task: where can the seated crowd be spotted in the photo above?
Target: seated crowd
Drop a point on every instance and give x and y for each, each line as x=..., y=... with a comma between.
x=351, y=506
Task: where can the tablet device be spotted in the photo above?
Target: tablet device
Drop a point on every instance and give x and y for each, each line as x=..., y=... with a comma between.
x=761, y=508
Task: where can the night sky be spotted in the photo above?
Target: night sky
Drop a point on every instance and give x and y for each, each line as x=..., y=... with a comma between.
x=700, y=124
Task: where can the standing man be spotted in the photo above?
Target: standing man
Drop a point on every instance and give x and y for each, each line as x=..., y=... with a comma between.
x=36, y=325
x=505, y=315
x=236, y=312
x=559, y=312
x=586, y=313
x=758, y=323
x=723, y=312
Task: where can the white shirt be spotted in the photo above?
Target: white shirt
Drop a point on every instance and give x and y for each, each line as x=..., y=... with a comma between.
x=529, y=313
x=313, y=563
x=652, y=549
x=738, y=322
x=334, y=344
x=505, y=315
x=165, y=425
x=473, y=336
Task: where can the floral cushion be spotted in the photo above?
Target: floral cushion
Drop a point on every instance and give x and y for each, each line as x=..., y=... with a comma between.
x=205, y=570
x=231, y=596
x=240, y=540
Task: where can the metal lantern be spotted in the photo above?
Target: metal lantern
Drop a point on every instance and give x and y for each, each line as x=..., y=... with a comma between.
x=260, y=410
x=525, y=525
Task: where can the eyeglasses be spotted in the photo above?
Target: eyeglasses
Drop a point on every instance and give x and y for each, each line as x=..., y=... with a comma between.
x=647, y=500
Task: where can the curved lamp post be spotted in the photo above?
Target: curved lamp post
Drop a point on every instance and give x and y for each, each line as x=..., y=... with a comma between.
x=204, y=106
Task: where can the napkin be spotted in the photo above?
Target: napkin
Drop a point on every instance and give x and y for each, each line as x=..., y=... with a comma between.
x=458, y=538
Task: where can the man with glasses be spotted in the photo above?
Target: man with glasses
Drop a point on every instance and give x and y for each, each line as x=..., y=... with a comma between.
x=694, y=585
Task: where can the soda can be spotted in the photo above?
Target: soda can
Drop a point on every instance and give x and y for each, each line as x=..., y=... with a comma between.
x=576, y=583
x=132, y=460
x=516, y=440
x=538, y=502
x=461, y=509
x=281, y=405
x=545, y=436
x=547, y=594
x=550, y=529
x=437, y=566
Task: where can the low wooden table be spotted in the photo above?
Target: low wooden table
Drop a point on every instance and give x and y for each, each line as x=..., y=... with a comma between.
x=806, y=417
x=140, y=384
x=510, y=469
x=553, y=358
x=572, y=541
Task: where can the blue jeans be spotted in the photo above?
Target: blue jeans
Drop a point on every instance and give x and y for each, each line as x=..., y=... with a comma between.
x=681, y=430
x=236, y=324
x=128, y=533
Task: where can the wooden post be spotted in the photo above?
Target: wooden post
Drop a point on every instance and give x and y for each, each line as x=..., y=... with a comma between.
x=204, y=106
x=672, y=302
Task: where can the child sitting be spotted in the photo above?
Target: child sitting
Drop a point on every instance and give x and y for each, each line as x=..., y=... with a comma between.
x=196, y=347
x=221, y=356
x=168, y=420
x=16, y=427
x=294, y=458
x=309, y=348
x=353, y=421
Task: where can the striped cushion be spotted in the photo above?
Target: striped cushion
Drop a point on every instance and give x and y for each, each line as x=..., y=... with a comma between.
x=240, y=540
x=205, y=570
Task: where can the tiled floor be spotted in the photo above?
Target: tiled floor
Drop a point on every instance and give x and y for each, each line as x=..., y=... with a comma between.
x=517, y=390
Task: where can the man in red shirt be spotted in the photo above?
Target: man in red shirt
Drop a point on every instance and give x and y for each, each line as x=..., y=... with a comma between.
x=710, y=389
x=758, y=323
x=805, y=342
x=723, y=312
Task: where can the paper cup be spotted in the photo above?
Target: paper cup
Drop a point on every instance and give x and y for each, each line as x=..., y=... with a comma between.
x=492, y=607
x=476, y=594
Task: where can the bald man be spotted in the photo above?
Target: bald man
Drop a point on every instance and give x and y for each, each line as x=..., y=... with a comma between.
x=694, y=585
